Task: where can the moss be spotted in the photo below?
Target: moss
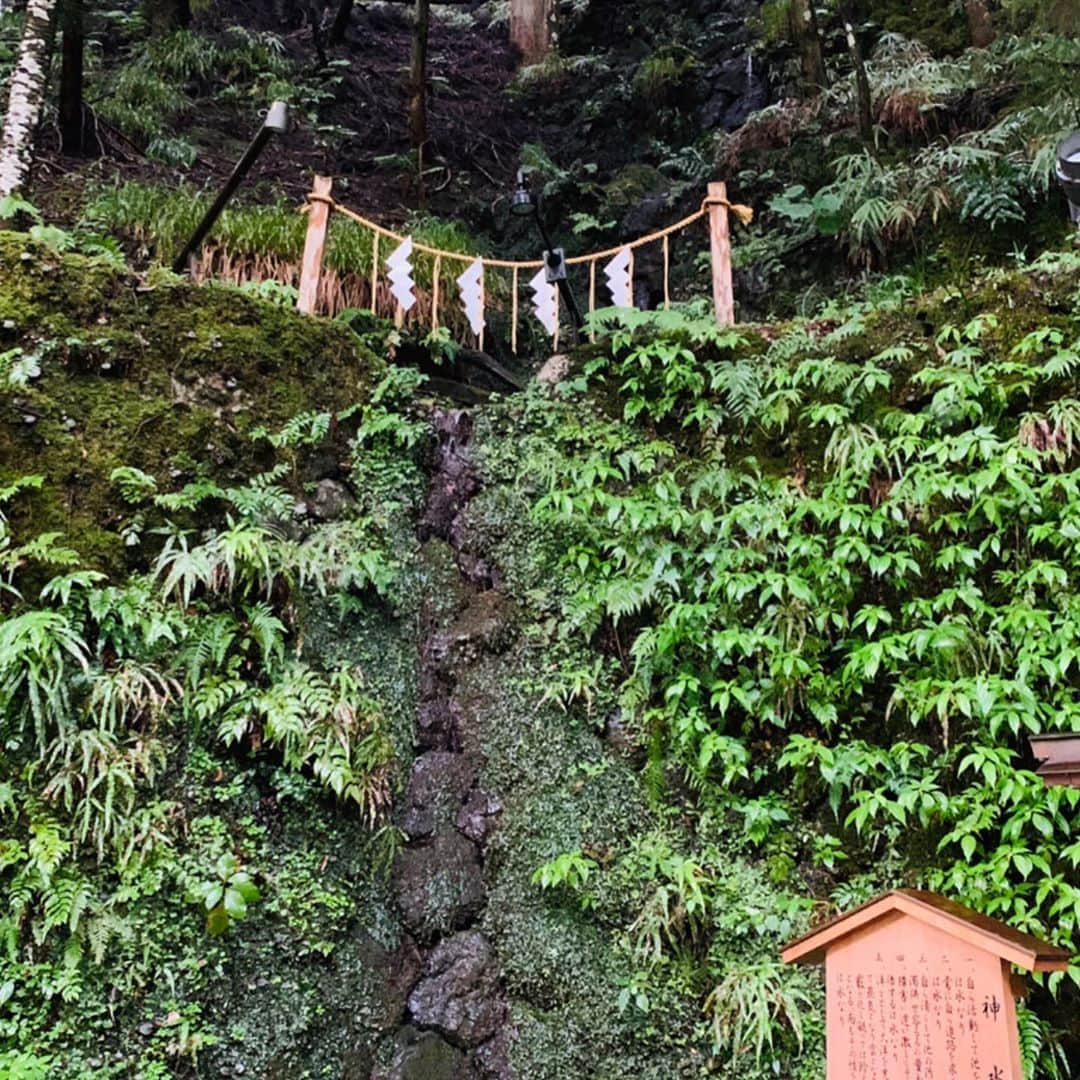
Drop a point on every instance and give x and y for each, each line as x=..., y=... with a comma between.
x=149, y=377
x=666, y=77
x=633, y=184
x=940, y=27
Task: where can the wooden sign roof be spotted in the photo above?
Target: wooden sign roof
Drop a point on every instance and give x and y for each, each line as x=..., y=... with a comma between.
x=981, y=931
x=1059, y=758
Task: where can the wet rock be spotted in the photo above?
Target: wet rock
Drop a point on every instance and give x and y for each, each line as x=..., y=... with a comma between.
x=438, y=724
x=493, y=1058
x=458, y=995
x=486, y=625
x=399, y=968
x=618, y=737
x=737, y=90
x=477, y=816
x=214, y=392
x=330, y=501
x=555, y=369
x=453, y=480
x=356, y=1064
x=423, y=1055
x=475, y=569
x=439, y=886
x=438, y=786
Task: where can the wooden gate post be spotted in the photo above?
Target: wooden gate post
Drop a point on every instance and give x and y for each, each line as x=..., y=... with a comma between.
x=314, y=245
x=720, y=237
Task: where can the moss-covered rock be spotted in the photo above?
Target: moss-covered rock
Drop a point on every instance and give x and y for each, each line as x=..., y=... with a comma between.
x=171, y=378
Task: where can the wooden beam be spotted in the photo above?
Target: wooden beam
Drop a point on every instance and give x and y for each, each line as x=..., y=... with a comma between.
x=720, y=239
x=314, y=245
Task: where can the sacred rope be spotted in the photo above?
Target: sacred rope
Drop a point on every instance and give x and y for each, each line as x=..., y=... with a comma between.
x=619, y=272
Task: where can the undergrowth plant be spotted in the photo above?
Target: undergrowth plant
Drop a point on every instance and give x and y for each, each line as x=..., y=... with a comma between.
x=837, y=583
x=114, y=691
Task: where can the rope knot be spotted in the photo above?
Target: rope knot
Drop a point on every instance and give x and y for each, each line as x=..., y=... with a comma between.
x=745, y=214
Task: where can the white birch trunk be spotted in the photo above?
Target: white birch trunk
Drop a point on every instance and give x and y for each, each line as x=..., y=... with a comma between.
x=26, y=96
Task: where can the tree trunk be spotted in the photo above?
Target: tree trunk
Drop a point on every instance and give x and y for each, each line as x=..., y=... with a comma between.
x=26, y=96
x=418, y=132
x=804, y=28
x=72, y=130
x=163, y=16
x=530, y=28
x=341, y=22
x=980, y=23
x=864, y=106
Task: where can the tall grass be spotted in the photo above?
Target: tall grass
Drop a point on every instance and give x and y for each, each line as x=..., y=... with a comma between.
x=260, y=243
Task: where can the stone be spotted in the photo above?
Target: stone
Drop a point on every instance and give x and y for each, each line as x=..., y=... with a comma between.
x=438, y=725
x=439, y=885
x=438, y=785
x=330, y=501
x=477, y=817
x=555, y=369
x=486, y=625
x=493, y=1058
x=423, y=1055
x=459, y=994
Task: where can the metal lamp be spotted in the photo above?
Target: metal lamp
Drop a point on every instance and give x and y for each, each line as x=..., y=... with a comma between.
x=525, y=204
x=1068, y=173
x=276, y=122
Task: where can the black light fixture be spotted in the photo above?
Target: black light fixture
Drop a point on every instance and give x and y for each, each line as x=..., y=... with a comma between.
x=276, y=122
x=1068, y=173
x=525, y=204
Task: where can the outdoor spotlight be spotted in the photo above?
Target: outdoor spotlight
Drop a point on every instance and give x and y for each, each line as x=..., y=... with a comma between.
x=1068, y=172
x=276, y=122
x=523, y=204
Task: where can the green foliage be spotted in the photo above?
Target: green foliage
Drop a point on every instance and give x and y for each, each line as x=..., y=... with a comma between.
x=225, y=895
x=833, y=575
x=570, y=870
x=964, y=151
x=15, y=1065
x=661, y=78
x=161, y=219
x=146, y=97
x=108, y=690
x=754, y=1007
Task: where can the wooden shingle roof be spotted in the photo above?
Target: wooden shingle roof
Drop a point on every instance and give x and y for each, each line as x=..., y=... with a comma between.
x=983, y=932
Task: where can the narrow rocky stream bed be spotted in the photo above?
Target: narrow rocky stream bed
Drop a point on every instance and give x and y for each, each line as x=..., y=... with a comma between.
x=456, y=1015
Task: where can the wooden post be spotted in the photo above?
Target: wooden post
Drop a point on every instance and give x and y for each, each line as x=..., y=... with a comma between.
x=314, y=245
x=530, y=28
x=720, y=236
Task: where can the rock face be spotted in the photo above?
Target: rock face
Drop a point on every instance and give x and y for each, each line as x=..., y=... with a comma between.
x=456, y=1004
x=440, y=783
x=423, y=1055
x=439, y=885
x=458, y=994
x=331, y=500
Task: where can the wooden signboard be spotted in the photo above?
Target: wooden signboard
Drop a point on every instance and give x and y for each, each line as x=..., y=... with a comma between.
x=1059, y=759
x=921, y=988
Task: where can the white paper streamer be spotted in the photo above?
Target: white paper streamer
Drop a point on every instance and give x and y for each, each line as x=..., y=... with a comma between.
x=399, y=271
x=617, y=273
x=471, y=284
x=544, y=302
